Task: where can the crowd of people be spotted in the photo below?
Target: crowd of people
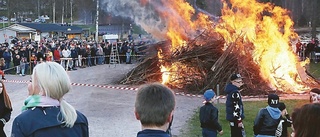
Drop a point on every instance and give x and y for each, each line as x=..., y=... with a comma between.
x=24, y=55
x=310, y=49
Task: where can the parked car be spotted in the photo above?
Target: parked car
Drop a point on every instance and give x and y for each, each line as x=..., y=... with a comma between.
x=28, y=20
x=13, y=19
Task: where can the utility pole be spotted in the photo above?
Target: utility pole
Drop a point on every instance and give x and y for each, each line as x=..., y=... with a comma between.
x=39, y=9
x=62, y=15
x=71, y=3
x=54, y=12
x=97, y=23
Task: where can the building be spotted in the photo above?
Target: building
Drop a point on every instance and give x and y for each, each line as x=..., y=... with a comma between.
x=37, y=31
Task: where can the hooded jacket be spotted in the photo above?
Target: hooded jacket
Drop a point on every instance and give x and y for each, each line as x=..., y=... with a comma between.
x=234, y=105
x=267, y=121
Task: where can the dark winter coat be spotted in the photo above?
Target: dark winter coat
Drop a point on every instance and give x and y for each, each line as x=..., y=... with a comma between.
x=234, y=104
x=209, y=117
x=152, y=133
x=43, y=122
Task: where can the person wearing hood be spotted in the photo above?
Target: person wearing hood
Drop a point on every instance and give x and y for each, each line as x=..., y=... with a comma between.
x=209, y=116
x=267, y=120
x=234, y=106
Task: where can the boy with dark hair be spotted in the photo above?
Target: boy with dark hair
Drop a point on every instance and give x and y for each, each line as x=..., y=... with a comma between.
x=209, y=116
x=234, y=106
x=267, y=120
x=154, y=107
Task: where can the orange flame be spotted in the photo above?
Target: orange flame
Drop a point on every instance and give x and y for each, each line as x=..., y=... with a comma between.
x=269, y=28
x=181, y=25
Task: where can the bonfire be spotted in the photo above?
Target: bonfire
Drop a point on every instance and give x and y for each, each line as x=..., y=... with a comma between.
x=251, y=38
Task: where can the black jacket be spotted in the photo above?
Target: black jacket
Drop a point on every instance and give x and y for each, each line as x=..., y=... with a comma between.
x=265, y=124
x=287, y=123
x=209, y=117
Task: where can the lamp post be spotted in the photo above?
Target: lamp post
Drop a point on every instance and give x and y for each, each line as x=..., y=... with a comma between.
x=15, y=17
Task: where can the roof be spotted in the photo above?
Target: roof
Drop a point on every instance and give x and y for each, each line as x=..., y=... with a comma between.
x=43, y=27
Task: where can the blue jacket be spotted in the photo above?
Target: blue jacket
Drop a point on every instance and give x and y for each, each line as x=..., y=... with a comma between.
x=152, y=133
x=234, y=104
x=44, y=122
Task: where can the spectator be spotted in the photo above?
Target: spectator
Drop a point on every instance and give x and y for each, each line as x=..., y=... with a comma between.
x=298, y=47
x=66, y=54
x=209, y=116
x=7, y=58
x=23, y=63
x=234, y=106
x=45, y=112
x=2, y=67
x=305, y=121
x=57, y=55
x=285, y=121
x=154, y=107
x=315, y=95
x=267, y=120
x=5, y=108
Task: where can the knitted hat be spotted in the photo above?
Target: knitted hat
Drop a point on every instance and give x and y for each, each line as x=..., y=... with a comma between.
x=282, y=106
x=235, y=76
x=208, y=95
x=273, y=100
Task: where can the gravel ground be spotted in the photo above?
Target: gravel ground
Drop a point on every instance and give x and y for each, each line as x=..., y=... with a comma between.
x=109, y=111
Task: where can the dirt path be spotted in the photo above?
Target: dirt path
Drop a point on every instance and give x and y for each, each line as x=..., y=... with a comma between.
x=109, y=111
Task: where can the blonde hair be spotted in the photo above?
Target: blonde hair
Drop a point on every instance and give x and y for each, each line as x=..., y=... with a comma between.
x=54, y=81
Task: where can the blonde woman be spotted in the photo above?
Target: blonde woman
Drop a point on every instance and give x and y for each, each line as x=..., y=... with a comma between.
x=46, y=113
x=5, y=108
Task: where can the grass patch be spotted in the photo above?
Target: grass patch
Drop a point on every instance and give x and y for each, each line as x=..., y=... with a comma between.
x=313, y=69
x=251, y=109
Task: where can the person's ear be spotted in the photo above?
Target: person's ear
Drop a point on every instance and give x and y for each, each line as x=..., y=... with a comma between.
x=137, y=115
x=170, y=117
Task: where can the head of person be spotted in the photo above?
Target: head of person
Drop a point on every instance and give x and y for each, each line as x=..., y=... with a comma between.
x=273, y=100
x=3, y=91
x=49, y=79
x=208, y=95
x=315, y=95
x=236, y=79
x=154, y=105
x=306, y=120
x=282, y=108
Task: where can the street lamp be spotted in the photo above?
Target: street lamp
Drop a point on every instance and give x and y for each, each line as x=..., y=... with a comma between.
x=15, y=17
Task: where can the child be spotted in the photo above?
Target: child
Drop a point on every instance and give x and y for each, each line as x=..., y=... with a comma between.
x=23, y=66
x=154, y=107
x=285, y=120
x=209, y=116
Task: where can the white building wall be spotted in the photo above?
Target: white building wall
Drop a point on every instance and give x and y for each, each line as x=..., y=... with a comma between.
x=7, y=34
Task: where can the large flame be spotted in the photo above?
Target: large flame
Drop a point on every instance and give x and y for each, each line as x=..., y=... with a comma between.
x=181, y=24
x=268, y=27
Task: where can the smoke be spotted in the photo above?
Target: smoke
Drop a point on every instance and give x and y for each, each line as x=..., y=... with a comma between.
x=142, y=12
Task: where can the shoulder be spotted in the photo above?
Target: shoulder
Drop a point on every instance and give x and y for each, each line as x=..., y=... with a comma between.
x=81, y=118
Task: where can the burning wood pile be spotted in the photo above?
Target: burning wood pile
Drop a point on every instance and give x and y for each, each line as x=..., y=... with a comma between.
x=201, y=64
x=250, y=38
